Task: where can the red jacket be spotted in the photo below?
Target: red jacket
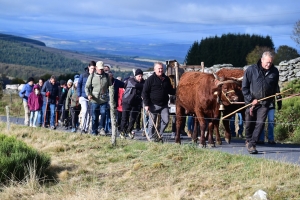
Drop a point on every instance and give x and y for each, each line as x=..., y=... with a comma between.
x=120, y=95
x=35, y=102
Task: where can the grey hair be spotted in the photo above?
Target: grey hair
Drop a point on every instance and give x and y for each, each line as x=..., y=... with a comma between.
x=158, y=63
x=267, y=54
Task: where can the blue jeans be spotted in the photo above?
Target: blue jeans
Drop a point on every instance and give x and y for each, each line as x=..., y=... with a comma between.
x=107, y=127
x=232, y=125
x=33, y=117
x=98, y=110
x=271, y=119
x=52, y=114
x=190, y=123
x=44, y=120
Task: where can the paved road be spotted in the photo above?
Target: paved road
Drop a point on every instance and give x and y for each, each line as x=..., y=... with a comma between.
x=280, y=152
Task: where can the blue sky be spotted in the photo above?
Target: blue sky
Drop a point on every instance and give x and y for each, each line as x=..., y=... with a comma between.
x=154, y=21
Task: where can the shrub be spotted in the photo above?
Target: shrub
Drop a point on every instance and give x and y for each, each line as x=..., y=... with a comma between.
x=15, y=156
x=288, y=118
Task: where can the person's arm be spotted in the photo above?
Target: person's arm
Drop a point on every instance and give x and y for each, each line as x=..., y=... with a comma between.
x=146, y=93
x=43, y=90
x=246, y=87
x=22, y=92
x=68, y=99
x=79, y=86
x=88, y=86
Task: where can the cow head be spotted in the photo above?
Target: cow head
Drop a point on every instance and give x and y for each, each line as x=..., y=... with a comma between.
x=227, y=89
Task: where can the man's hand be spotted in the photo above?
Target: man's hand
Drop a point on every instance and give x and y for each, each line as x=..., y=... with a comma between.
x=47, y=94
x=90, y=97
x=254, y=102
x=146, y=108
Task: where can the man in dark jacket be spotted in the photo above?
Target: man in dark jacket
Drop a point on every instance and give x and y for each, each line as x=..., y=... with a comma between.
x=50, y=95
x=131, y=103
x=156, y=96
x=260, y=80
x=83, y=99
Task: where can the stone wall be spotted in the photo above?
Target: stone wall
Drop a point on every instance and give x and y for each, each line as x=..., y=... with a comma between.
x=288, y=70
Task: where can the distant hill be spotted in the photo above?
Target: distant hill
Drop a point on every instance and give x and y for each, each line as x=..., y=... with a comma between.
x=20, y=39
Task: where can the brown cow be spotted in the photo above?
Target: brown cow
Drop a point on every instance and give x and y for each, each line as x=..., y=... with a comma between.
x=200, y=93
x=236, y=73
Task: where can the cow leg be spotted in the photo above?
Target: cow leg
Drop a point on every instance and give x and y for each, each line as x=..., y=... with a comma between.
x=216, y=129
x=210, y=139
x=201, y=121
x=195, y=131
x=179, y=118
x=227, y=130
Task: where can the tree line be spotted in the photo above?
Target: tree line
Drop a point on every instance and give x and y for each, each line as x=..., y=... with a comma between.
x=236, y=49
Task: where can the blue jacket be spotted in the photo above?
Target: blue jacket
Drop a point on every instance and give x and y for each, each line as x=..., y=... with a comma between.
x=25, y=92
x=81, y=84
x=53, y=89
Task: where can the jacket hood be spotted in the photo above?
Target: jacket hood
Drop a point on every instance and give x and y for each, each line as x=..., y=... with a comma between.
x=36, y=86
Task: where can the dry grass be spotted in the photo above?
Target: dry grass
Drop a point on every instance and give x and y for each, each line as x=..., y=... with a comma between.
x=87, y=167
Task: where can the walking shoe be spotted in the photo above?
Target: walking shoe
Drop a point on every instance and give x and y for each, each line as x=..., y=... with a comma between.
x=52, y=127
x=34, y=126
x=131, y=134
x=240, y=136
x=252, y=150
x=189, y=133
x=73, y=130
x=122, y=135
x=30, y=125
x=102, y=132
x=173, y=135
x=271, y=142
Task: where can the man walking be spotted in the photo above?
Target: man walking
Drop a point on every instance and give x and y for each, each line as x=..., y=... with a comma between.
x=156, y=96
x=50, y=95
x=260, y=80
x=96, y=89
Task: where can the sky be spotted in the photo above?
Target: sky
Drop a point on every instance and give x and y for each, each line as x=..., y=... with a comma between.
x=152, y=21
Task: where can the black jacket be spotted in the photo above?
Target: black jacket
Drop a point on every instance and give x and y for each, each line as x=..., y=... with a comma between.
x=156, y=91
x=258, y=83
x=53, y=89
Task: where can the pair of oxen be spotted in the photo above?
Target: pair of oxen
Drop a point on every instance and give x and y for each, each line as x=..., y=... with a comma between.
x=201, y=95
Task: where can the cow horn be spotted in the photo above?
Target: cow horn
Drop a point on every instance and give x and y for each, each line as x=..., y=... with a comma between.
x=227, y=81
x=237, y=79
x=215, y=75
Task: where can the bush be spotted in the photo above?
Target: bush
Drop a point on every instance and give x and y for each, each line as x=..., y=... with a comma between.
x=16, y=156
x=288, y=118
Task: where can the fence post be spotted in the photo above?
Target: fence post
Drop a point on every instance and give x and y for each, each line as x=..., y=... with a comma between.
x=7, y=117
x=112, y=115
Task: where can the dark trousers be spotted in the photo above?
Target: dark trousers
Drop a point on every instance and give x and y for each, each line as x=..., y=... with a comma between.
x=74, y=115
x=119, y=119
x=138, y=121
x=255, y=124
x=129, y=111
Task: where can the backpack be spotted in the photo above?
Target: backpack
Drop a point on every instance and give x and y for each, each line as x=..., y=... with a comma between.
x=129, y=95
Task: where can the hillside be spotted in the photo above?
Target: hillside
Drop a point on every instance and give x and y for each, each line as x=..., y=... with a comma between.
x=33, y=57
x=20, y=39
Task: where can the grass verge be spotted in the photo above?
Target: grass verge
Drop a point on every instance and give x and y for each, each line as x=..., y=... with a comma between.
x=88, y=167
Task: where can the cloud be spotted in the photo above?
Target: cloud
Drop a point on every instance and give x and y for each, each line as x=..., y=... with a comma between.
x=178, y=20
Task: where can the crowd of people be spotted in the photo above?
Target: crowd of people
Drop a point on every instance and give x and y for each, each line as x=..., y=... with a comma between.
x=82, y=103
x=49, y=103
